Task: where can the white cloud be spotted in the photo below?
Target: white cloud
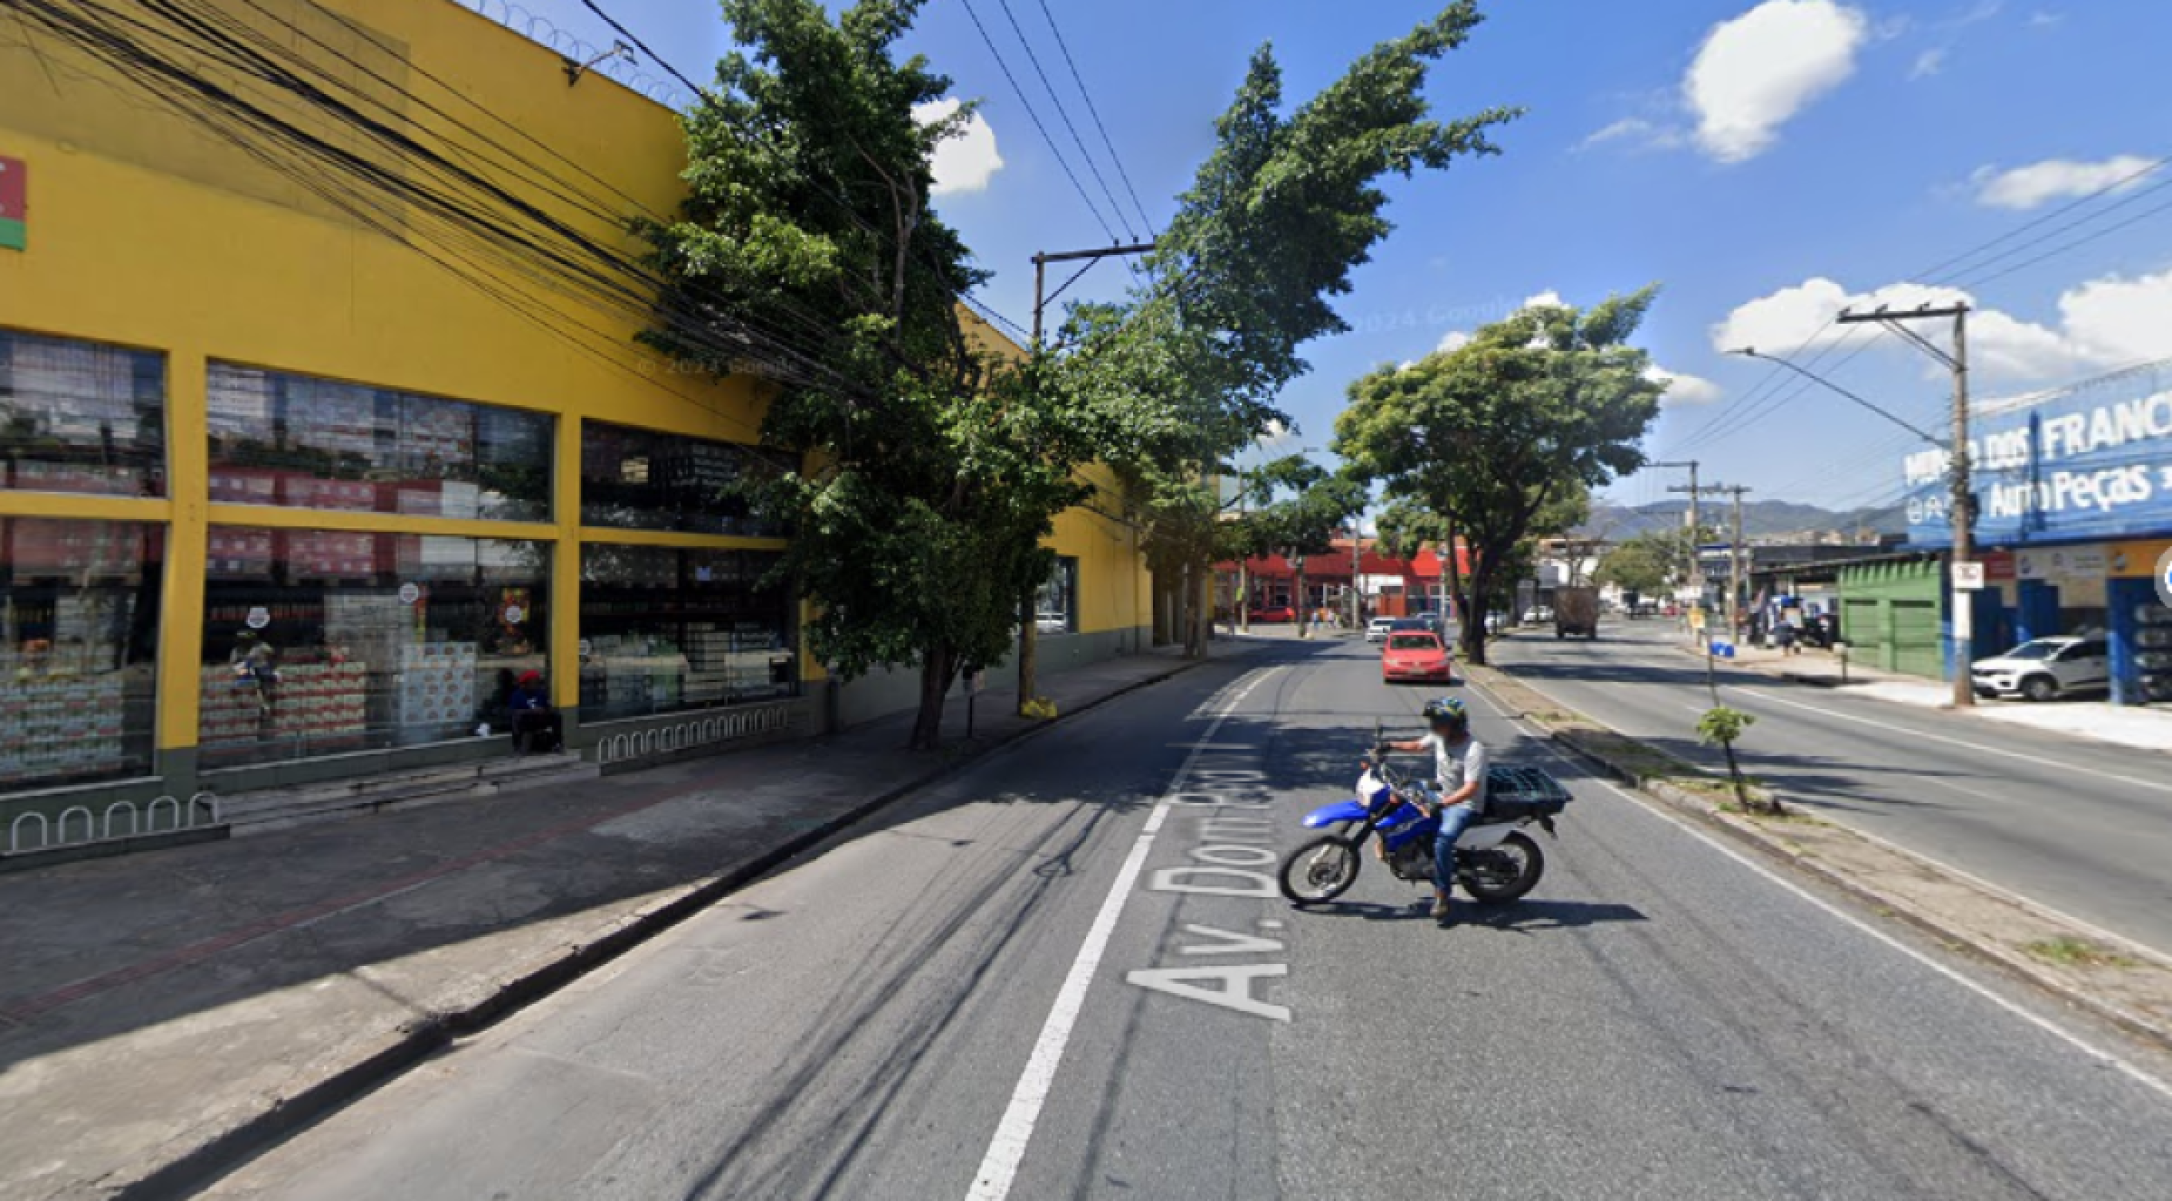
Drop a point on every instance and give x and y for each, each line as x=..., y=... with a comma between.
x=2046, y=20
x=2105, y=323
x=2041, y=183
x=1277, y=436
x=2116, y=320
x=1627, y=127
x=1757, y=71
x=1683, y=389
x=966, y=161
x=1454, y=339
x=1548, y=297
x=1928, y=63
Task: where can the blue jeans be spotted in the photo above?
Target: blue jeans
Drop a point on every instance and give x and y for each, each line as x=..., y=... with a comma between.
x=1454, y=820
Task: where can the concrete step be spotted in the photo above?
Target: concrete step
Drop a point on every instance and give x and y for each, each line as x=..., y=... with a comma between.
x=264, y=810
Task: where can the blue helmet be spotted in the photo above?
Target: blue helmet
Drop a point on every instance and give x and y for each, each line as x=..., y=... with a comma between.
x=1448, y=711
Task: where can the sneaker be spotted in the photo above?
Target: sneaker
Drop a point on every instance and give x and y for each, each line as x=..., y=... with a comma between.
x=1440, y=909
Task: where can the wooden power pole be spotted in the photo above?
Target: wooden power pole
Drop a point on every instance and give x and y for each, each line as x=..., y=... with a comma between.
x=1027, y=617
x=1962, y=505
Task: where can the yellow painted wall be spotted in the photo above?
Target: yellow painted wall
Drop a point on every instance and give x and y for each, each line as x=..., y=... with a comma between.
x=148, y=230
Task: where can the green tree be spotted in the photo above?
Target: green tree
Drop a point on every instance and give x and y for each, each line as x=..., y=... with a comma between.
x=1645, y=563
x=1533, y=409
x=806, y=254
x=1187, y=369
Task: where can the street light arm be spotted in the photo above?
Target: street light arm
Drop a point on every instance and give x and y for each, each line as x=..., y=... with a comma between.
x=1751, y=352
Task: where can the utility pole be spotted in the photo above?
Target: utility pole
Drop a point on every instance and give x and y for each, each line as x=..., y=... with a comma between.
x=1028, y=619
x=1962, y=506
x=1696, y=529
x=1735, y=564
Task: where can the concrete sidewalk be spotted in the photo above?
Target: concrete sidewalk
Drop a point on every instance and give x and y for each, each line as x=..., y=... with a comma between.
x=2146, y=728
x=161, y=1011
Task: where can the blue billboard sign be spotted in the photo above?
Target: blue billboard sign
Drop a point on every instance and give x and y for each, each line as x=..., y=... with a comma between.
x=2084, y=465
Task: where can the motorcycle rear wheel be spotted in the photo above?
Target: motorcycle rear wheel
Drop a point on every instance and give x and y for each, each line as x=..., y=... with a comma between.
x=1320, y=870
x=1487, y=884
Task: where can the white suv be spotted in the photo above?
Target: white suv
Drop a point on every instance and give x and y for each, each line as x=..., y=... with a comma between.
x=2043, y=668
x=1377, y=629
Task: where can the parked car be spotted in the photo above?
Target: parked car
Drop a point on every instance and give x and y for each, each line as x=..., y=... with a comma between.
x=1377, y=629
x=2043, y=668
x=1415, y=655
x=1274, y=613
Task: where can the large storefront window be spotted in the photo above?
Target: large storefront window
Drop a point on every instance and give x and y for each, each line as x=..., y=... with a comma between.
x=664, y=630
x=81, y=417
x=318, y=642
x=78, y=649
x=644, y=480
x=317, y=444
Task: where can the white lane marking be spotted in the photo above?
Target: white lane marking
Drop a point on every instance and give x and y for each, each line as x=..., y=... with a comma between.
x=1007, y=1149
x=2138, y=1074
x=2002, y=752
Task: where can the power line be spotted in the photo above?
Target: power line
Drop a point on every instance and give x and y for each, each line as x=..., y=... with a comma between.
x=2063, y=209
x=1115, y=207
x=1053, y=148
x=1094, y=111
x=853, y=214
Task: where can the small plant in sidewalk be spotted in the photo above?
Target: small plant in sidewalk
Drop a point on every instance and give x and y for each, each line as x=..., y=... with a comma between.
x=1721, y=726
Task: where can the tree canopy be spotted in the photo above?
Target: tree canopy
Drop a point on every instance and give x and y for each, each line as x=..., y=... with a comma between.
x=1288, y=204
x=806, y=253
x=1533, y=411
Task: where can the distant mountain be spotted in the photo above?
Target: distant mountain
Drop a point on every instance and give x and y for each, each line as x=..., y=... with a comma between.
x=1760, y=519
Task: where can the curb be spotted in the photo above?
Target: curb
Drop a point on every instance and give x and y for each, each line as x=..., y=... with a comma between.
x=540, y=977
x=2140, y=1025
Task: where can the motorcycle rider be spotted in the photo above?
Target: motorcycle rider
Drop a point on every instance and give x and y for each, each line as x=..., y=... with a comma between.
x=1459, y=763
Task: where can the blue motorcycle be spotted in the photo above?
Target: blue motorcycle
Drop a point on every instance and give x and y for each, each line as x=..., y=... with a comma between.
x=1496, y=862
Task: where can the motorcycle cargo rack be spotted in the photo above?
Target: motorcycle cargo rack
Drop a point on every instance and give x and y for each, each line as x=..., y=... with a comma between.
x=1515, y=792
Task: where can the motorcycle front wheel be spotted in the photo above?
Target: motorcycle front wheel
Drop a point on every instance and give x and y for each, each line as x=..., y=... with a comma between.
x=1320, y=870
x=1503, y=873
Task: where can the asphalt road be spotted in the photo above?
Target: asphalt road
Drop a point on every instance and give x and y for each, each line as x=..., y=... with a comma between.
x=2083, y=827
x=950, y=1004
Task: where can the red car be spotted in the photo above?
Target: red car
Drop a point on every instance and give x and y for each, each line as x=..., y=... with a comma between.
x=1415, y=655
x=1274, y=613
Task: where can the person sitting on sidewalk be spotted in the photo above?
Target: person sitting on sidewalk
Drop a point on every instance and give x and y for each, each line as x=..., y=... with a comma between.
x=537, y=728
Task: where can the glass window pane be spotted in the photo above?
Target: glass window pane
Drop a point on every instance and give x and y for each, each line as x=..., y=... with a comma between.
x=1055, y=607
x=320, y=444
x=78, y=649
x=320, y=641
x=644, y=480
x=663, y=630
x=81, y=417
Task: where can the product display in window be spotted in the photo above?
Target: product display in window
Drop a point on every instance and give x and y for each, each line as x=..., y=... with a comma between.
x=645, y=480
x=78, y=649
x=664, y=630
x=290, y=440
x=81, y=417
x=346, y=641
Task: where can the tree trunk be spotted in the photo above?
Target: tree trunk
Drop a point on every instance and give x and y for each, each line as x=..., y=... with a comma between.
x=936, y=668
x=1474, y=612
x=1029, y=638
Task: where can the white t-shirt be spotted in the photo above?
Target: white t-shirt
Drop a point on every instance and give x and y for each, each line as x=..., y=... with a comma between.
x=1457, y=765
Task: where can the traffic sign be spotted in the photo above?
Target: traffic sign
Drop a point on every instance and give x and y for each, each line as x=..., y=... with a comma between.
x=1722, y=649
x=1967, y=576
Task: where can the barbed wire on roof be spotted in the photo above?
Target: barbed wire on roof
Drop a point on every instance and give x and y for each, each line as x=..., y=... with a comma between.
x=620, y=69
x=2030, y=400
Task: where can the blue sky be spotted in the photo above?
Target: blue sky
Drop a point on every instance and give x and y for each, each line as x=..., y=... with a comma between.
x=1765, y=162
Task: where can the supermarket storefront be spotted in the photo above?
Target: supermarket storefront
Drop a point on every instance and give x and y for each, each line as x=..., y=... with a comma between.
x=285, y=497
x=2074, y=512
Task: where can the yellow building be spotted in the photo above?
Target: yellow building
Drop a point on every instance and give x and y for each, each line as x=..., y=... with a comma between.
x=322, y=423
